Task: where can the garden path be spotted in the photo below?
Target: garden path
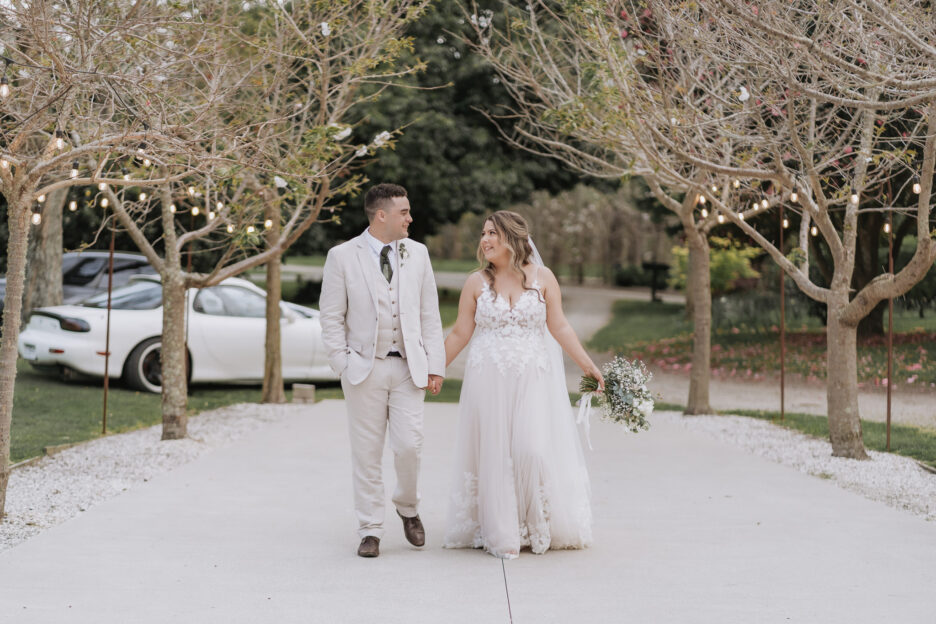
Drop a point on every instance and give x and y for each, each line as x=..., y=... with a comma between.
x=687, y=529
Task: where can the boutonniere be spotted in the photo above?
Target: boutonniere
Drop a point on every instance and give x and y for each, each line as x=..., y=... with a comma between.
x=404, y=254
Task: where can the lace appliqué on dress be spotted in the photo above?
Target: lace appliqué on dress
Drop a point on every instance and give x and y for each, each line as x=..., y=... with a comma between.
x=465, y=531
x=509, y=337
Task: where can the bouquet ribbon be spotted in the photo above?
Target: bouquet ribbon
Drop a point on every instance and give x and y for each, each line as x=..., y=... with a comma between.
x=583, y=416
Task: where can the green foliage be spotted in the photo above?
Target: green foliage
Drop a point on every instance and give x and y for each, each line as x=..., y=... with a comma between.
x=632, y=275
x=449, y=157
x=730, y=262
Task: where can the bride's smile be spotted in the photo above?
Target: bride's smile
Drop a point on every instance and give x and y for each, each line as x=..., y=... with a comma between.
x=491, y=245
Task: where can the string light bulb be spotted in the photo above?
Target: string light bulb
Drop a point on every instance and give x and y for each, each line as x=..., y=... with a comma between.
x=4, y=163
x=741, y=216
x=786, y=223
x=701, y=200
x=794, y=196
x=251, y=229
x=721, y=218
x=755, y=206
x=105, y=202
x=126, y=174
x=101, y=186
x=704, y=213
x=714, y=188
x=73, y=205
x=191, y=191
x=74, y=169
x=269, y=222
x=40, y=199
x=195, y=211
x=59, y=139
x=4, y=87
x=211, y=215
x=147, y=162
x=36, y=218
x=916, y=187
x=764, y=203
x=143, y=196
x=814, y=231
x=219, y=206
x=887, y=228
x=854, y=198
x=172, y=208
x=736, y=183
x=230, y=228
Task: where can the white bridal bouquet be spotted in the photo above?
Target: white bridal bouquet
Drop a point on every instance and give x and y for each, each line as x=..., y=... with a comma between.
x=626, y=398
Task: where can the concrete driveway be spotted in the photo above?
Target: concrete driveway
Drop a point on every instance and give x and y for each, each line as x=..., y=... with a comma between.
x=687, y=529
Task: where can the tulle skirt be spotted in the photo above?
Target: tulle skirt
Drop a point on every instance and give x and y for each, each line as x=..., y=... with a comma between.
x=520, y=477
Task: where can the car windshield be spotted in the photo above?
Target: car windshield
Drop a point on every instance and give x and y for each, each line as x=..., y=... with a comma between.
x=139, y=295
x=84, y=271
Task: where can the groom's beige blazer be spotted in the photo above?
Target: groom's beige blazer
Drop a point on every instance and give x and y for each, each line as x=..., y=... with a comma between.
x=348, y=308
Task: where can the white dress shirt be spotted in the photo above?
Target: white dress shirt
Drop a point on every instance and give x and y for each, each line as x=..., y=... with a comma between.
x=376, y=247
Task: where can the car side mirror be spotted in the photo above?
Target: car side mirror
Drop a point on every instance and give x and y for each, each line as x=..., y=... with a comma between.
x=288, y=315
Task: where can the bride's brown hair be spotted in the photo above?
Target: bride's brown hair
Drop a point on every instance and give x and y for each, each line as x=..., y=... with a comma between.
x=514, y=233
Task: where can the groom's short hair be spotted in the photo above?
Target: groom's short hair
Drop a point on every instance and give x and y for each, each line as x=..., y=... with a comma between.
x=377, y=195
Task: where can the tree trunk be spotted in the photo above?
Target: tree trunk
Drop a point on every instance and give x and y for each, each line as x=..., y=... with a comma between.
x=273, y=391
x=698, y=289
x=842, y=386
x=44, y=260
x=173, y=356
x=18, y=215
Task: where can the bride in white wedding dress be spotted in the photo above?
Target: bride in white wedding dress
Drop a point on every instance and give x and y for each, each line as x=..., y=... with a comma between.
x=520, y=476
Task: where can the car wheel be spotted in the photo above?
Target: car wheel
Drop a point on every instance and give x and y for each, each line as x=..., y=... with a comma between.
x=143, y=369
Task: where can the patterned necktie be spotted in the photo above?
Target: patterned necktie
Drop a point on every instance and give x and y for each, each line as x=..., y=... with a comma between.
x=385, y=267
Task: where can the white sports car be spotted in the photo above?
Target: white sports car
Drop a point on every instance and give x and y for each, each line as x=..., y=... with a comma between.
x=226, y=331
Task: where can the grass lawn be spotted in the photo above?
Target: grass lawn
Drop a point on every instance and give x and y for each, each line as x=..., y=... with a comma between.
x=660, y=335
x=305, y=260
x=49, y=412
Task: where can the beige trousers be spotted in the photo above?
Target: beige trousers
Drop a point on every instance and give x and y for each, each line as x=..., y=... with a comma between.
x=387, y=399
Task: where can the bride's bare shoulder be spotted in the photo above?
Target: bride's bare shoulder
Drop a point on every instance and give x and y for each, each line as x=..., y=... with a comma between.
x=474, y=283
x=545, y=275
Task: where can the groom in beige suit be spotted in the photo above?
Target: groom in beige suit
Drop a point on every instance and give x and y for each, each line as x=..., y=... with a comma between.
x=383, y=333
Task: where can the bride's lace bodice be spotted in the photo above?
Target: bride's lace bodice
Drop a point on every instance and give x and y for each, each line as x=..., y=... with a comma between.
x=509, y=337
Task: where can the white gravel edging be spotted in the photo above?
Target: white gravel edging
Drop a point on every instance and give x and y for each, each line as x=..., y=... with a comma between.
x=56, y=488
x=897, y=481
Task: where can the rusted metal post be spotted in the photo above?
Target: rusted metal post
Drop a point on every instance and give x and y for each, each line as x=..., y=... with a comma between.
x=890, y=323
x=110, y=287
x=782, y=325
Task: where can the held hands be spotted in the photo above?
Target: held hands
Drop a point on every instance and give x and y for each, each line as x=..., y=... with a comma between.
x=435, y=384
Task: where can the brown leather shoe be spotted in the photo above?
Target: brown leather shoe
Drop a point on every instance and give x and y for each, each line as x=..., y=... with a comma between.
x=370, y=547
x=413, y=530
